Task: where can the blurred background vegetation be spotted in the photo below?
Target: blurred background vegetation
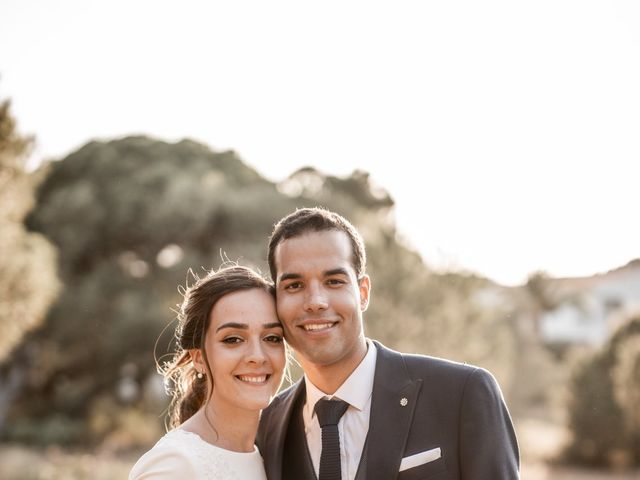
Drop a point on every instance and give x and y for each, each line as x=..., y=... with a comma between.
x=93, y=249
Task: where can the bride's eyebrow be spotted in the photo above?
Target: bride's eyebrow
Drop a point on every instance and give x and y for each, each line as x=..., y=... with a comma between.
x=242, y=326
x=272, y=325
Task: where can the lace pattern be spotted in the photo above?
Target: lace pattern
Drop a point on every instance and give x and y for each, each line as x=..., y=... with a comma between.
x=214, y=463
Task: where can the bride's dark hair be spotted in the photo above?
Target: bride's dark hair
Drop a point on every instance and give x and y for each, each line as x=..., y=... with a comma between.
x=190, y=392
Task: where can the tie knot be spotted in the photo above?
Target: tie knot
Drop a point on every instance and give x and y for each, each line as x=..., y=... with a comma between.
x=330, y=411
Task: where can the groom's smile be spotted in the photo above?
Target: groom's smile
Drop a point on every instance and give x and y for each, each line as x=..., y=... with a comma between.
x=317, y=325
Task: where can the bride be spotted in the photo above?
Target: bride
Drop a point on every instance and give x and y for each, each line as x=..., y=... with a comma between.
x=227, y=366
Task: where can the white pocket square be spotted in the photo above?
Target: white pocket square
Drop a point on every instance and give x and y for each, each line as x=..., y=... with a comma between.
x=420, y=459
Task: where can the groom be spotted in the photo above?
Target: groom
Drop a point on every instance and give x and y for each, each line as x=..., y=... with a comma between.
x=401, y=416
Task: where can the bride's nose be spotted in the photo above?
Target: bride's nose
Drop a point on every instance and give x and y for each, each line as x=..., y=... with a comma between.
x=255, y=352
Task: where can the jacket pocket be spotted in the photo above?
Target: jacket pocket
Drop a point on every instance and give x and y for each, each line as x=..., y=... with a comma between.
x=425, y=471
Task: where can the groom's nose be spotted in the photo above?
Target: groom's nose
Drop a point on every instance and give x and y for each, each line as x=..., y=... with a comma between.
x=315, y=298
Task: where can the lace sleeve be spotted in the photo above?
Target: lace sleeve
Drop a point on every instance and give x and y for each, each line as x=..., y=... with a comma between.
x=163, y=462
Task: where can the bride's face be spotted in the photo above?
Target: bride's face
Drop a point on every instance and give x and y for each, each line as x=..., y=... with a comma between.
x=245, y=349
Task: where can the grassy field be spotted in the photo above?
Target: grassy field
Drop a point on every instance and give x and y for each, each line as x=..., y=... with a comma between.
x=539, y=443
x=544, y=472
x=20, y=463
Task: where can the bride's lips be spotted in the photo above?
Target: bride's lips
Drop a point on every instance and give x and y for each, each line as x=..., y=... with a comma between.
x=254, y=378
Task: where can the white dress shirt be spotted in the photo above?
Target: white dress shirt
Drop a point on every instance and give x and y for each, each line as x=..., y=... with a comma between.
x=354, y=424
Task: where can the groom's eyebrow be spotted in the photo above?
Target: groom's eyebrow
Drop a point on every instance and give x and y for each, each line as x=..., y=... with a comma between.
x=327, y=273
x=289, y=276
x=336, y=271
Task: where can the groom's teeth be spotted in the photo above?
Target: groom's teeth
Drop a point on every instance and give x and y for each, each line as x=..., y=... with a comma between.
x=317, y=326
x=253, y=379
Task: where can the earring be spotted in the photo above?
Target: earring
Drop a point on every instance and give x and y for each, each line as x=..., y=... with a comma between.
x=200, y=375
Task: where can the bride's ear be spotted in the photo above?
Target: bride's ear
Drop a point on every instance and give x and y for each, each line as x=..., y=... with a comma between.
x=198, y=361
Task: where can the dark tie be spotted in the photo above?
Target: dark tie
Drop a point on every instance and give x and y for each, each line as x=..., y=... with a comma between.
x=329, y=413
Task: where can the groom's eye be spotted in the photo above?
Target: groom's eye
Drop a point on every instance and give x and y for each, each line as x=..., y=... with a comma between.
x=293, y=286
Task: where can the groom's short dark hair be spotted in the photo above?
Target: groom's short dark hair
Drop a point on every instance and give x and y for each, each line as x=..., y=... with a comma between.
x=305, y=220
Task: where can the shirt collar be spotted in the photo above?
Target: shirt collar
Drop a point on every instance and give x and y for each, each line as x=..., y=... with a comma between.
x=356, y=389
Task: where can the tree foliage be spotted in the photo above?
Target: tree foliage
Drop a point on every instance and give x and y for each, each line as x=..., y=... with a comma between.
x=131, y=216
x=604, y=413
x=27, y=276
x=413, y=308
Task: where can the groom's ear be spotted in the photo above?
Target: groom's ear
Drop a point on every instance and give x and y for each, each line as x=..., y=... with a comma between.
x=364, y=285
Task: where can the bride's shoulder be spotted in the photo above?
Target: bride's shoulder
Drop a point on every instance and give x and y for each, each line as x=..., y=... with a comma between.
x=182, y=454
x=170, y=458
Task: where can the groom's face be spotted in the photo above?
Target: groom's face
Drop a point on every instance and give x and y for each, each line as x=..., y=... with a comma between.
x=319, y=299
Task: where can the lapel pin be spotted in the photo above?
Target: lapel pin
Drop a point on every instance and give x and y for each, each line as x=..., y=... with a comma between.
x=404, y=401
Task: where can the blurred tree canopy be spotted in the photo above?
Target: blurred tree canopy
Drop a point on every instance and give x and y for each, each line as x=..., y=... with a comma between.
x=131, y=216
x=604, y=409
x=27, y=262
x=28, y=282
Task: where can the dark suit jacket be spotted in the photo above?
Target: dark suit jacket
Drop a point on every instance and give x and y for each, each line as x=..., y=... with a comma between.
x=419, y=403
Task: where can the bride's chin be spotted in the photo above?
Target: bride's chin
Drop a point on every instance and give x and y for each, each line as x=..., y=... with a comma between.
x=256, y=404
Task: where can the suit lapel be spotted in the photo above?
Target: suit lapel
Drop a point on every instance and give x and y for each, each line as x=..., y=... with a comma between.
x=393, y=402
x=278, y=431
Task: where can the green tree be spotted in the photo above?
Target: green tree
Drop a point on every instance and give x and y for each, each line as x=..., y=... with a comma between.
x=603, y=411
x=131, y=216
x=28, y=282
x=455, y=315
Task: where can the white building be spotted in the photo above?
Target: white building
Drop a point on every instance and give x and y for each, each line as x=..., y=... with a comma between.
x=593, y=307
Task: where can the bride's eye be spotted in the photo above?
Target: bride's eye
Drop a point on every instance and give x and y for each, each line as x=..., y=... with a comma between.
x=273, y=338
x=232, y=340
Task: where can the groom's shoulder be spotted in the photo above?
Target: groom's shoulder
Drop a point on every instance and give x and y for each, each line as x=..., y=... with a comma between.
x=420, y=365
x=290, y=391
x=283, y=399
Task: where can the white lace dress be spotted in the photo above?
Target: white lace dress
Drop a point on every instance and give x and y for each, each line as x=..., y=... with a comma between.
x=184, y=455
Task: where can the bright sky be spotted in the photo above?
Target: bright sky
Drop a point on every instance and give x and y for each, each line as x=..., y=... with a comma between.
x=508, y=132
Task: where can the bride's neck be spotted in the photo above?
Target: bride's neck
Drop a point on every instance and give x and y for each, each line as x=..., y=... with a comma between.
x=226, y=427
